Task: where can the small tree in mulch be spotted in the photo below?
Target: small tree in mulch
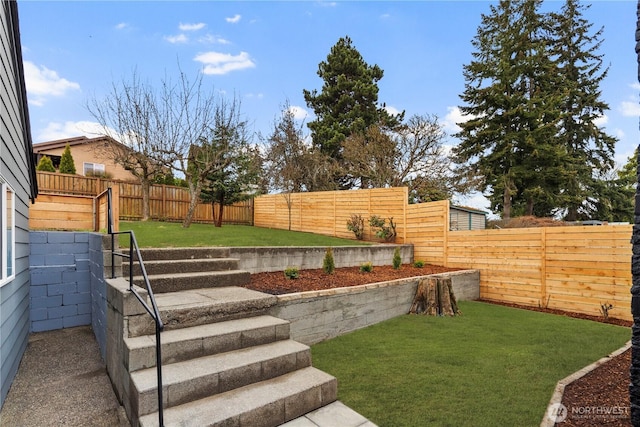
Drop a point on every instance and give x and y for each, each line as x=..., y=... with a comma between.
x=45, y=165
x=435, y=297
x=328, y=264
x=397, y=259
x=66, y=162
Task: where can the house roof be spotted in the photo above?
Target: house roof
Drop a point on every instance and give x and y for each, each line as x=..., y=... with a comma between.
x=61, y=143
x=470, y=210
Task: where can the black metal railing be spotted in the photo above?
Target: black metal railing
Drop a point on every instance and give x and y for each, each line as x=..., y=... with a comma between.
x=153, y=309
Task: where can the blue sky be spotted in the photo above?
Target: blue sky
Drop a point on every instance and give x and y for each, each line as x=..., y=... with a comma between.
x=267, y=52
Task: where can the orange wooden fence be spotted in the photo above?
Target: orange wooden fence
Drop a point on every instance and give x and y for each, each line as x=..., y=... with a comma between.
x=573, y=268
x=166, y=202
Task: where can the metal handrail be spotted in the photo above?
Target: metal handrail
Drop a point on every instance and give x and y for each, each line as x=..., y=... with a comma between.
x=153, y=310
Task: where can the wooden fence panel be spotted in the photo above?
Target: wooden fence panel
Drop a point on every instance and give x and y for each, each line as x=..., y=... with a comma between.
x=166, y=202
x=427, y=229
x=62, y=212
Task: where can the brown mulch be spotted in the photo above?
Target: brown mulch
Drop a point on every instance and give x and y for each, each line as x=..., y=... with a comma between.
x=600, y=398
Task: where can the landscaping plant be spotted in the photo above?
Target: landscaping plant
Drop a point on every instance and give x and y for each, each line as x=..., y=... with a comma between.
x=366, y=267
x=382, y=230
x=418, y=263
x=356, y=224
x=328, y=264
x=397, y=259
x=291, y=273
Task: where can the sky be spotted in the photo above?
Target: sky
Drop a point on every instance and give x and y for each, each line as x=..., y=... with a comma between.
x=265, y=53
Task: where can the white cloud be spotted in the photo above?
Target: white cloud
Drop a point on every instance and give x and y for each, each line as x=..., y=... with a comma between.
x=180, y=38
x=211, y=39
x=56, y=130
x=630, y=109
x=385, y=16
x=299, y=113
x=635, y=86
x=122, y=26
x=601, y=120
x=234, y=19
x=392, y=110
x=42, y=82
x=328, y=3
x=191, y=27
x=451, y=120
x=216, y=63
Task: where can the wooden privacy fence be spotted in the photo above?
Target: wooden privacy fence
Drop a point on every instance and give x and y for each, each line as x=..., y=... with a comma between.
x=72, y=212
x=166, y=202
x=572, y=268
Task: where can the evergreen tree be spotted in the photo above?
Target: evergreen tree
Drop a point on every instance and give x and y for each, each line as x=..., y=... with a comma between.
x=509, y=92
x=348, y=101
x=589, y=148
x=45, y=165
x=66, y=162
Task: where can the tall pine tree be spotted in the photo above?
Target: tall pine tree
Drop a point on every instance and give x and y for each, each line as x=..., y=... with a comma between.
x=590, y=150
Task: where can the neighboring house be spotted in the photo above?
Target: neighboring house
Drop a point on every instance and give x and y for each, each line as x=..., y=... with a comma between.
x=18, y=187
x=91, y=156
x=464, y=218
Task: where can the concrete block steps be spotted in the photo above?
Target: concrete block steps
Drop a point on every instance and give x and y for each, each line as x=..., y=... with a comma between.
x=154, y=254
x=204, y=340
x=195, y=307
x=182, y=266
x=174, y=282
x=197, y=378
x=264, y=404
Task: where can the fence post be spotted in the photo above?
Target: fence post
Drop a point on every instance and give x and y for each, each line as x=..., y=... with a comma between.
x=543, y=267
x=115, y=196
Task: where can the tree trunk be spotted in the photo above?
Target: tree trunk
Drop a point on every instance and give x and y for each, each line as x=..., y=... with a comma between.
x=146, y=188
x=219, y=222
x=194, y=191
x=434, y=297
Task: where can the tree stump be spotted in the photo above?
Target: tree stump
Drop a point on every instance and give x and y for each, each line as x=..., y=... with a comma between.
x=435, y=297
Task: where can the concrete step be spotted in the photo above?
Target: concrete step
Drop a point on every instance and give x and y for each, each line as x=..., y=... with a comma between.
x=202, y=306
x=205, y=376
x=154, y=254
x=266, y=404
x=182, y=266
x=204, y=340
x=162, y=283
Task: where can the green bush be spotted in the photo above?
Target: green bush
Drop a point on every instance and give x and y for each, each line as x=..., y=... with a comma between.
x=66, y=162
x=381, y=229
x=397, y=259
x=328, y=264
x=367, y=267
x=356, y=224
x=418, y=263
x=45, y=165
x=291, y=273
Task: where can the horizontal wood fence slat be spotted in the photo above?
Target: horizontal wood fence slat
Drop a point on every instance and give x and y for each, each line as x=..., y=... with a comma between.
x=167, y=203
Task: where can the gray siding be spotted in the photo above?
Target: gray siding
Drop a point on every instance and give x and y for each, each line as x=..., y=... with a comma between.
x=15, y=169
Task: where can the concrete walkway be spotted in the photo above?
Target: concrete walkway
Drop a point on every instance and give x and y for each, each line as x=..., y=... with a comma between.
x=62, y=381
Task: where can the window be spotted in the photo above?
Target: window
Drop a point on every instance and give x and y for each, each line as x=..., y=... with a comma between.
x=93, y=169
x=7, y=230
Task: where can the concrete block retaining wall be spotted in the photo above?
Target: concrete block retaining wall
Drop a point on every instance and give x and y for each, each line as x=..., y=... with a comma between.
x=263, y=259
x=60, y=292
x=319, y=315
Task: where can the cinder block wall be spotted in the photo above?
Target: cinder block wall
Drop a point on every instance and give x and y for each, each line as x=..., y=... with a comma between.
x=60, y=293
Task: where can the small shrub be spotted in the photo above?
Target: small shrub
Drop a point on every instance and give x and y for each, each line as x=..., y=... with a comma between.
x=328, y=264
x=291, y=273
x=418, y=263
x=397, y=259
x=66, y=162
x=367, y=267
x=45, y=165
x=356, y=224
x=381, y=229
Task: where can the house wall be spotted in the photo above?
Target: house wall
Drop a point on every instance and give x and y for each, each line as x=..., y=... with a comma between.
x=14, y=170
x=93, y=152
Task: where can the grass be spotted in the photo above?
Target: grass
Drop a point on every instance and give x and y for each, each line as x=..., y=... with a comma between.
x=492, y=366
x=153, y=234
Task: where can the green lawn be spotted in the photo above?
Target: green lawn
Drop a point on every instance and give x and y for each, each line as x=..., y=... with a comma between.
x=152, y=234
x=492, y=366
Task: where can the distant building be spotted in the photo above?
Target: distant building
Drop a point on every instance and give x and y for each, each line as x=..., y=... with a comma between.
x=464, y=218
x=91, y=156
